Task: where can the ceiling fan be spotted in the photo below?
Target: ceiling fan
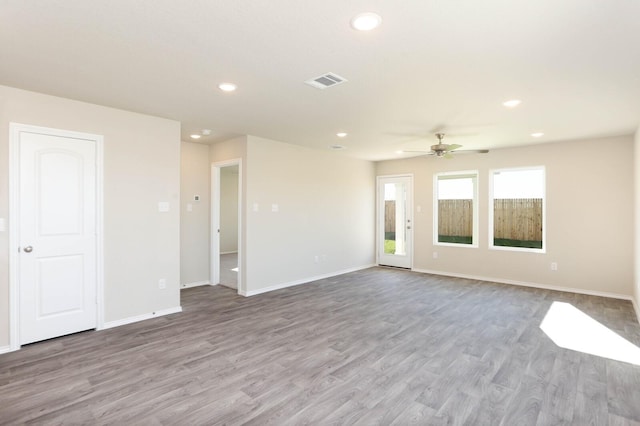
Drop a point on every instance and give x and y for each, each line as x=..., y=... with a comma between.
x=445, y=150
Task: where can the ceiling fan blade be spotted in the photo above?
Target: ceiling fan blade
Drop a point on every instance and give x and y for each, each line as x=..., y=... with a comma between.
x=419, y=153
x=422, y=151
x=453, y=146
x=472, y=151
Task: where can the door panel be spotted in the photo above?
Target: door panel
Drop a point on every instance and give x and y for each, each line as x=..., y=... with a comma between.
x=57, y=236
x=59, y=286
x=395, y=221
x=59, y=202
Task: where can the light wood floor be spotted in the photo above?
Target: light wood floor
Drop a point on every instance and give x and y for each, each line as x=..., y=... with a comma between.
x=229, y=277
x=378, y=346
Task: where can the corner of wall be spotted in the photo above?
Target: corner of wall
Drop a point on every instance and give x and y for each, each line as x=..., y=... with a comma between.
x=636, y=254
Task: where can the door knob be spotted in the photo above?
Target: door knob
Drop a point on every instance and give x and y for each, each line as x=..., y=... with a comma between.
x=28, y=249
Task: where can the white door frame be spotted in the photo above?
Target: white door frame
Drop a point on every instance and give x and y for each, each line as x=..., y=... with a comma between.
x=215, y=222
x=14, y=202
x=380, y=216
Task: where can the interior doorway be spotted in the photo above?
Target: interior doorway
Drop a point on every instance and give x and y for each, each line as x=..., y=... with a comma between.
x=226, y=224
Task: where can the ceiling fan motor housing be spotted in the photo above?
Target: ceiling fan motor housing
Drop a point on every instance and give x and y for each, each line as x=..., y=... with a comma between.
x=440, y=149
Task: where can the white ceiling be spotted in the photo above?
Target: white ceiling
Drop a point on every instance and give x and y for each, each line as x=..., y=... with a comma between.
x=432, y=65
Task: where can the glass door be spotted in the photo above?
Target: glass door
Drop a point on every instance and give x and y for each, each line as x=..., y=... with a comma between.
x=395, y=221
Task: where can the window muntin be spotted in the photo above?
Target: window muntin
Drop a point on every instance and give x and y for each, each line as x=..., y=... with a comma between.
x=517, y=209
x=456, y=209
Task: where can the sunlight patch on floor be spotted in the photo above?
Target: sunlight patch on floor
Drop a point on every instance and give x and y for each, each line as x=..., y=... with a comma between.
x=570, y=328
x=235, y=269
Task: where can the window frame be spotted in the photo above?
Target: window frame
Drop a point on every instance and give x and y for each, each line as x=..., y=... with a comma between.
x=475, y=175
x=492, y=246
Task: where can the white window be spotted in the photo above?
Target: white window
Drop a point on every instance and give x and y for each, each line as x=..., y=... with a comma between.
x=455, y=209
x=516, y=209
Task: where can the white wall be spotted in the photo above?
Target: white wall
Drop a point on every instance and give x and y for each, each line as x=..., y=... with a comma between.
x=194, y=224
x=326, y=208
x=229, y=209
x=141, y=168
x=636, y=162
x=589, y=207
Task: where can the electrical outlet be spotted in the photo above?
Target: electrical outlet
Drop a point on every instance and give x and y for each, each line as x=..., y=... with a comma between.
x=316, y=259
x=162, y=283
x=435, y=254
x=554, y=266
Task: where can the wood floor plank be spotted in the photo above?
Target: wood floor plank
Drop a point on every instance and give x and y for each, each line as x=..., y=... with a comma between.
x=414, y=414
x=491, y=407
x=560, y=396
x=623, y=390
x=526, y=402
x=377, y=346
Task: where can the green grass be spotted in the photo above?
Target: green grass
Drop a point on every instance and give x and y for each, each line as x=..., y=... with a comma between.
x=503, y=242
x=389, y=246
x=454, y=239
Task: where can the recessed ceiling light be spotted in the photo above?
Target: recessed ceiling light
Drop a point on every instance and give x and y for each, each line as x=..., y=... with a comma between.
x=206, y=132
x=336, y=147
x=537, y=134
x=195, y=136
x=366, y=21
x=341, y=135
x=512, y=103
x=227, y=87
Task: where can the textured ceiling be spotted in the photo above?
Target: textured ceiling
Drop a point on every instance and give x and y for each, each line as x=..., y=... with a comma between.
x=431, y=66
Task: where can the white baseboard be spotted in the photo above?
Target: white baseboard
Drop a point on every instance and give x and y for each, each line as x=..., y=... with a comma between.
x=5, y=349
x=194, y=284
x=142, y=317
x=529, y=284
x=302, y=281
x=636, y=308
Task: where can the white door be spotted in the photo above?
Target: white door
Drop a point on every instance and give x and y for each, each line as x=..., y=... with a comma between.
x=395, y=222
x=57, y=275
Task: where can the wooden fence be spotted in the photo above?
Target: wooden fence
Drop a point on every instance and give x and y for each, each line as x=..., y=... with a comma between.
x=455, y=218
x=513, y=218
x=518, y=219
x=389, y=216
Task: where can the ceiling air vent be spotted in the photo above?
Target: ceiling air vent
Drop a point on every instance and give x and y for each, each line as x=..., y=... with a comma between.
x=326, y=80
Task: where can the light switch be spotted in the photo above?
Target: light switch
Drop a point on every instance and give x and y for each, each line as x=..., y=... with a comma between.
x=163, y=206
x=419, y=209
x=189, y=207
x=255, y=207
x=274, y=208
